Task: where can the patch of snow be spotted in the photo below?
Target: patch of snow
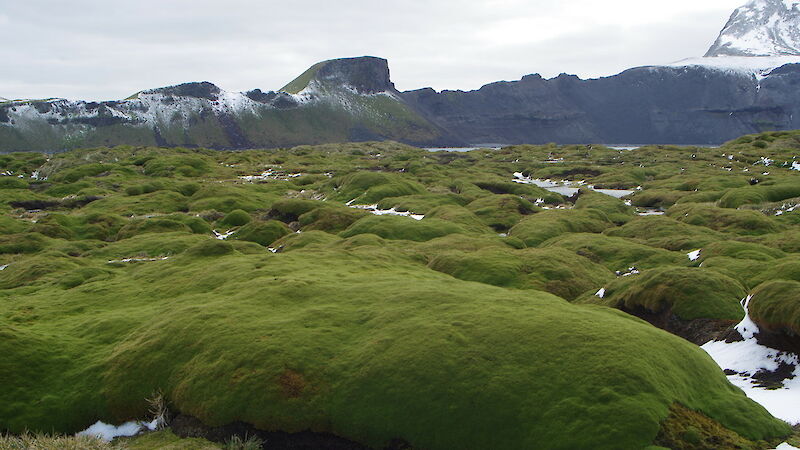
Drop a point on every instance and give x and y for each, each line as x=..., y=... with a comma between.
x=796, y=165
x=650, y=212
x=270, y=174
x=567, y=188
x=765, y=161
x=693, y=256
x=786, y=446
x=3, y=267
x=223, y=236
x=630, y=271
x=387, y=212
x=748, y=357
x=757, y=67
x=133, y=260
x=108, y=432
x=601, y=293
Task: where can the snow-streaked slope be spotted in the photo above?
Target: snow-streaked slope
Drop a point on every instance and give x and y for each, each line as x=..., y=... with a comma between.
x=757, y=66
x=147, y=108
x=761, y=28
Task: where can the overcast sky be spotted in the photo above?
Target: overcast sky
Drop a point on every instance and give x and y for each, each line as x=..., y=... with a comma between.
x=103, y=49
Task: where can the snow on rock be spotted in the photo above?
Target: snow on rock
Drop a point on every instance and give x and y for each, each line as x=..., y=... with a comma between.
x=601, y=293
x=760, y=28
x=386, y=212
x=796, y=165
x=3, y=267
x=108, y=432
x=748, y=357
x=693, y=256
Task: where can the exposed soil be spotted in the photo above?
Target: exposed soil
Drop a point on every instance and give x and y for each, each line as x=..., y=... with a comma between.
x=697, y=331
x=187, y=426
x=774, y=380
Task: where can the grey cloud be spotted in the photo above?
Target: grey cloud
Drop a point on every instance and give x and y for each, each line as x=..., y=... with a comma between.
x=95, y=49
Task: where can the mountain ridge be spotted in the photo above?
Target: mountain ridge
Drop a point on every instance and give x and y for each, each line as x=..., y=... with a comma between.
x=760, y=28
x=705, y=100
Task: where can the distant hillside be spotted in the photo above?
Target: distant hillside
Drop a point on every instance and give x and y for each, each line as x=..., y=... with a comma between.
x=334, y=101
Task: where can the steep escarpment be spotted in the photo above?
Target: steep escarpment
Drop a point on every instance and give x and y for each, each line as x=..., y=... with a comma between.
x=685, y=104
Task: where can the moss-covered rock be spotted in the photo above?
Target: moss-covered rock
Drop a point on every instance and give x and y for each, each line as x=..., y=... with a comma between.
x=616, y=210
x=688, y=293
x=554, y=270
x=236, y=218
x=501, y=212
x=333, y=341
x=665, y=232
x=616, y=253
x=404, y=228
x=746, y=222
x=775, y=307
x=545, y=225
x=371, y=187
x=295, y=241
x=262, y=232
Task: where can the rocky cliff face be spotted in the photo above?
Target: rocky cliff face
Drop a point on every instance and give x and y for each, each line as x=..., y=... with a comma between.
x=690, y=104
x=761, y=28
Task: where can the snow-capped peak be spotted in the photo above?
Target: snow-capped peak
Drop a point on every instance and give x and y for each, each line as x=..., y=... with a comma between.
x=761, y=28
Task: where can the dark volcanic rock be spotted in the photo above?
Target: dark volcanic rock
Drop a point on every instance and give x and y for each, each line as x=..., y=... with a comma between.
x=656, y=105
x=261, y=97
x=367, y=74
x=203, y=89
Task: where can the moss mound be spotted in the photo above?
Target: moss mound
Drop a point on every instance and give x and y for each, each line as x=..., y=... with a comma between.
x=236, y=218
x=501, y=212
x=689, y=293
x=331, y=219
x=775, y=306
x=373, y=356
x=665, y=232
x=554, y=270
x=741, y=250
x=459, y=215
x=422, y=204
x=727, y=220
x=295, y=241
x=347, y=328
x=158, y=225
x=758, y=194
x=545, y=225
x=404, y=228
x=209, y=248
x=615, y=209
x=616, y=253
x=370, y=187
x=264, y=233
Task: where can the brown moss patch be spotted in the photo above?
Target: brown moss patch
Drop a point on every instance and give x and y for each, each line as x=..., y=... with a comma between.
x=685, y=429
x=293, y=384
